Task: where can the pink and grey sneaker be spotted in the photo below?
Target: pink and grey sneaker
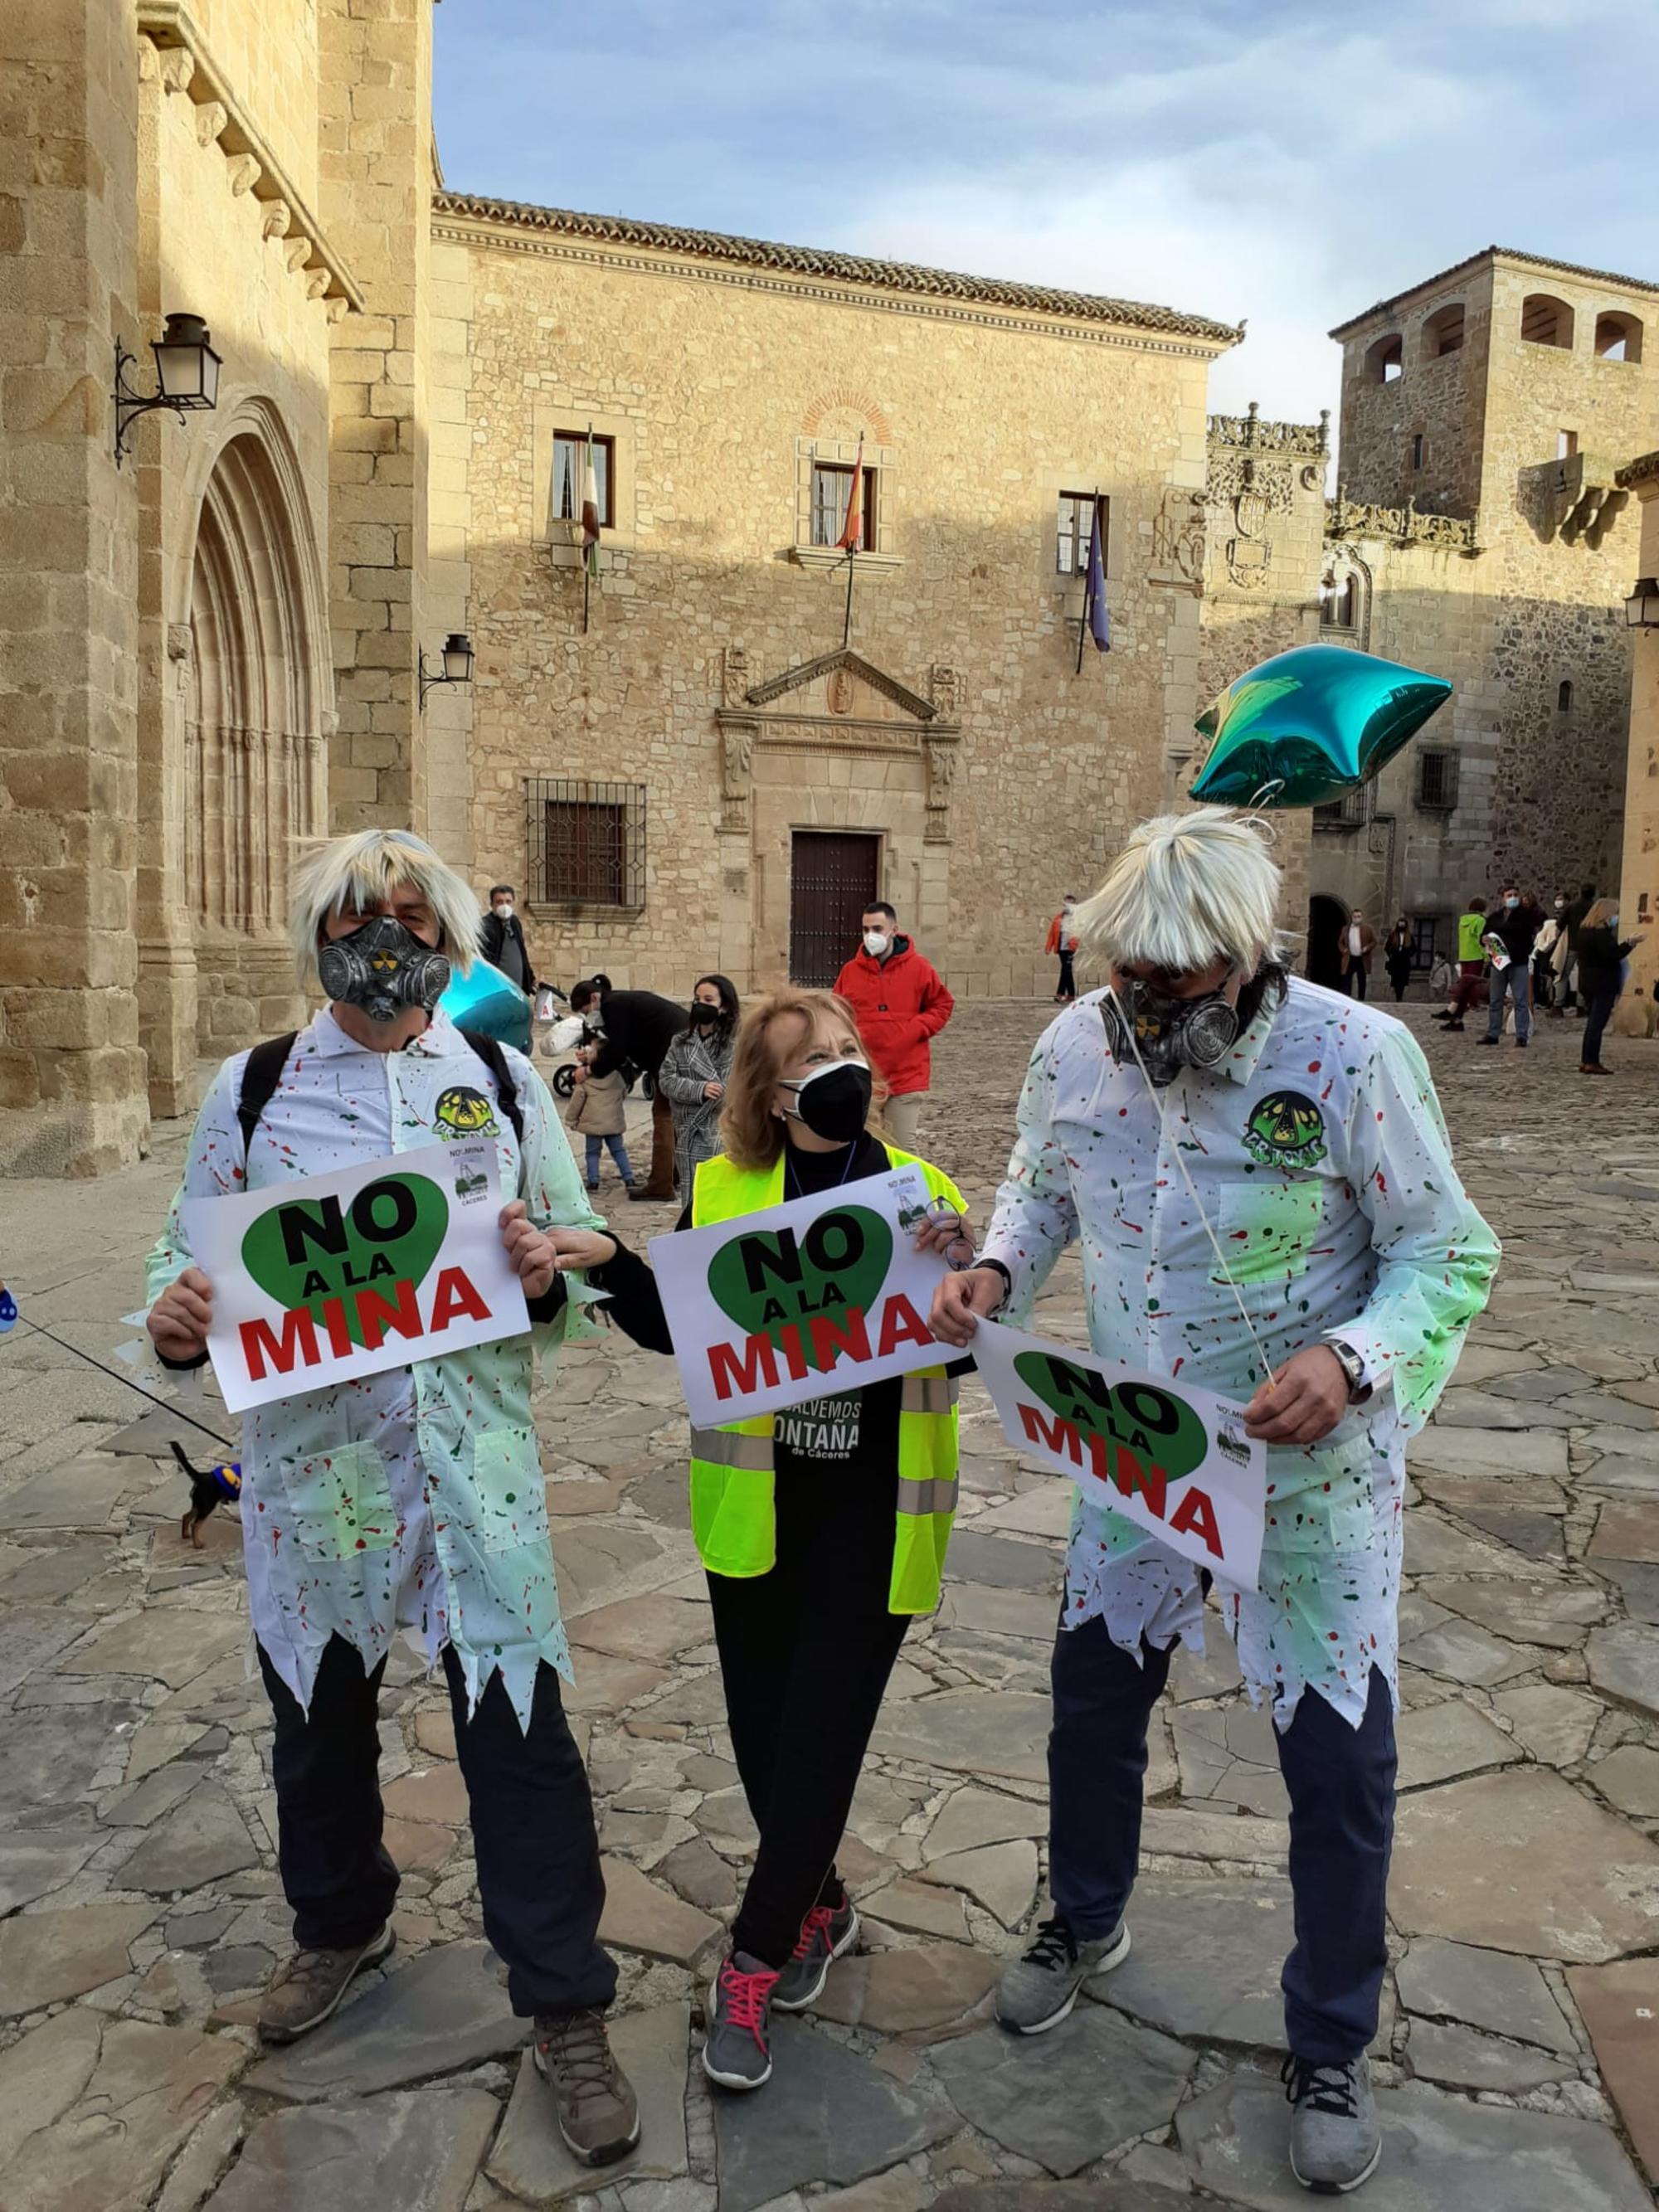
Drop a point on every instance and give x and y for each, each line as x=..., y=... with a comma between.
x=737, y=2054
x=827, y=1934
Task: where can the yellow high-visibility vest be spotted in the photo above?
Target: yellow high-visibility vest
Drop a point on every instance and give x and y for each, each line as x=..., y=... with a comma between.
x=733, y=1507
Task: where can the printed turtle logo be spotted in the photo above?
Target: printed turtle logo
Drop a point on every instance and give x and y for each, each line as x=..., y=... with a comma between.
x=1286, y=1130
x=462, y=1111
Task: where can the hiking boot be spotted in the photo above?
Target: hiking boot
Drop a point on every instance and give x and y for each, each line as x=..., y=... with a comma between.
x=598, y=2113
x=307, y=1988
x=828, y=1933
x=1335, y=2140
x=737, y=2054
x=1037, y=1991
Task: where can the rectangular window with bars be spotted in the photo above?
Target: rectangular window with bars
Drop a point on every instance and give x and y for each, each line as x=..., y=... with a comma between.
x=569, y=470
x=1423, y=934
x=1075, y=522
x=585, y=843
x=1436, y=781
x=832, y=486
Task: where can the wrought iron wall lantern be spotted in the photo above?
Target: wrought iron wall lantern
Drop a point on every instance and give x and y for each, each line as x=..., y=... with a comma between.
x=1641, y=607
x=457, y=661
x=186, y=377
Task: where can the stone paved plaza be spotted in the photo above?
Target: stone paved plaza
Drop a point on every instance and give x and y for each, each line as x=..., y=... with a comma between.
x=1520, y=2043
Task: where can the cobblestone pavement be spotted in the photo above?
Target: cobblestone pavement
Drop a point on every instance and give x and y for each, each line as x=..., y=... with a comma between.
x=1521, y=2040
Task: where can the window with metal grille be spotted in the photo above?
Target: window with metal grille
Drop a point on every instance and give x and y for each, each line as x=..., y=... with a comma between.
x=586, y=841
x=570, y=472
x=832, y=486
x=1348, y=812
x=1436, y=781
x=1423, y=930
x=1077, y=520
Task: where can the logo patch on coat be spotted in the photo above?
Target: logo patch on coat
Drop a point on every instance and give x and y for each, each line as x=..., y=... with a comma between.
x=1286, y=1130
x=461, y=1111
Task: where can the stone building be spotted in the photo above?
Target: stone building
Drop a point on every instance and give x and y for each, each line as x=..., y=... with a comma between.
x=206, y=640
x=1639, y=880
x=679, y=763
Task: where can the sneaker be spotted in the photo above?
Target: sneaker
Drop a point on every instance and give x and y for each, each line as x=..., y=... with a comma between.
x=1454, y=1025
x=1592, y=1067
x=1037, y=1991
x=827, y=1934
x=1335, y=2140
x=307, y=1989
x=1520, y=1044
x=737, y=2054
x=1486, y=1040
x=1442, y=1015
x=598, y=2113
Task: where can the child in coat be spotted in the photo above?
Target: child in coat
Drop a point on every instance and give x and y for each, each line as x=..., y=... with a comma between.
x=597, y=1110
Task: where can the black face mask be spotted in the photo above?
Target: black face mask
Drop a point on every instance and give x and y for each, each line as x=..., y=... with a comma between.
x=707, y=1018
x=383, y=968
x=833, y=1102
x=1169, y=1033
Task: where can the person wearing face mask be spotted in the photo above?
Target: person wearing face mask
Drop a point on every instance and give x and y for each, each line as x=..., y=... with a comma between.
x=1601, y=955
x=1358, y=942
x=1544, y=947
x=1204, y=1093
x=900, y=1006
x=1062, y=941
x=1398, y=956
x=823, y=1528
x=1515, y=926
x=502, y=939
x=636, y=1027
x=412, y=1499
x=694, y=1072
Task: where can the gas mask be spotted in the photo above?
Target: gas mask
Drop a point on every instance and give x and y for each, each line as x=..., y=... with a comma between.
x=833, y=1102
x=1169, y=1033
x=383, y=969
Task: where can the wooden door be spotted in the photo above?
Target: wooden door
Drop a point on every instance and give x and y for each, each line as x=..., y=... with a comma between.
x=832, y=879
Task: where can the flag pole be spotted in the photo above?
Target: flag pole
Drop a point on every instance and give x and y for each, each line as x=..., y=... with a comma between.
x=847, y=619
x=590, y=553
x=1088, y=581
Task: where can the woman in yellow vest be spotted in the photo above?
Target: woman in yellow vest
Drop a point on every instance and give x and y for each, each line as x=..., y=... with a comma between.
x=823, y=1528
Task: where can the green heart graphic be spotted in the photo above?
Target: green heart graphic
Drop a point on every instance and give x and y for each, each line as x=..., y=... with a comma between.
x=1157, y=1427
x=307, y=1250
x=771, y=1278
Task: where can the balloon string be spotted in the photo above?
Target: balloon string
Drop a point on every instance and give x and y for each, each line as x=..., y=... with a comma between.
x=1192, y=1191
x=1267, y=790
x=166, y=1404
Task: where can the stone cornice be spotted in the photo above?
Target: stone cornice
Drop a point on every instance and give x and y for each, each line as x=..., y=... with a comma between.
x=189, y=64
x=1645, y=470
x=808, y=672
x=614, y=241
x=1400, y=525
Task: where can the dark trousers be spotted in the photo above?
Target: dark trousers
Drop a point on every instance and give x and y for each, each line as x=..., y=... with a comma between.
x=1355, y=980
x=660, y=1182
x=1340, y=1781
x=805, y=1652
x=1067, y=977
x=532, y=1828
x=1599, y=1006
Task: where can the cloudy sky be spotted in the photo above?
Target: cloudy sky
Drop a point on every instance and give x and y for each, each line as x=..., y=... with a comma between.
x=1277, y=160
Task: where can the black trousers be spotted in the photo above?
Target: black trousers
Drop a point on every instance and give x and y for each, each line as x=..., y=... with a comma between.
x=1341, y=1785
x=1067, y=988
x=532, y=1826
x=1353, y=981
x=805, y=1652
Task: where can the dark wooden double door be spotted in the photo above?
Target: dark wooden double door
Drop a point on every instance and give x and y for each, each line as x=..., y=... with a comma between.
x=833, y=877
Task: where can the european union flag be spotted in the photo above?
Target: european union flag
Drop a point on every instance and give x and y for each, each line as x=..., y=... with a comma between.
x=1094, y=596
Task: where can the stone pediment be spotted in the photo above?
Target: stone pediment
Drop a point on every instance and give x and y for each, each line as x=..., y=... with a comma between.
x=839, y=687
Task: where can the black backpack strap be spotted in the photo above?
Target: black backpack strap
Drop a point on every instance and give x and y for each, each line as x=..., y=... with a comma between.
x=490, y=1051
x=260, y=1077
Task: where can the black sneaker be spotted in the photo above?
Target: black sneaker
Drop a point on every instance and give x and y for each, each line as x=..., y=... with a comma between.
x=1037, y=1991
x=1486, y=1040
x=827, y=1934
x=1520, y=1044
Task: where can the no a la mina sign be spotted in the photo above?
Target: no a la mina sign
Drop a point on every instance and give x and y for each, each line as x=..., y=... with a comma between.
x=334, y=1277
x=1175, y=1462
x=819, y=1296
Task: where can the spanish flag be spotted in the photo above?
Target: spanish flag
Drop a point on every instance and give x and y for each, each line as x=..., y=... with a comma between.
x=590, y=513
x=852, y=529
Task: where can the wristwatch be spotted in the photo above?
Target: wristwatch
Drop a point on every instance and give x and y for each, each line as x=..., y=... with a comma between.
x=1352, y=1366
x=1008, y=1280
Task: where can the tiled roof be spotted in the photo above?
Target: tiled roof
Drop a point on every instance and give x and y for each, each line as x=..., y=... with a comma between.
x=845, y=268
x=1502, y=253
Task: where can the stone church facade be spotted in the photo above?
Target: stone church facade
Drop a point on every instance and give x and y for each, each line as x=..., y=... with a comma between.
x=698, y=756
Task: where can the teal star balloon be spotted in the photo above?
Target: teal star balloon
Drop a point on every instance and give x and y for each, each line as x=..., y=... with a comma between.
x=1310, y=725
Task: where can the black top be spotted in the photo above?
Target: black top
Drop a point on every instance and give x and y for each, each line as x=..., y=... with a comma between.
x=1573, y=920
x=856, y=1430
x=638, y=1026
x=1599, y=954
x=1516, y=927
x=503, y=946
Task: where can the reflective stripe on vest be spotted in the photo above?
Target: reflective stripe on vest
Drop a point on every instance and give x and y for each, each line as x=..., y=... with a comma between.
x=733, y=1512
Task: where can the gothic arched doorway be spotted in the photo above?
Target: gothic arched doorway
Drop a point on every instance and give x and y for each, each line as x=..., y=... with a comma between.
x=254, y=776
x=1326, y=918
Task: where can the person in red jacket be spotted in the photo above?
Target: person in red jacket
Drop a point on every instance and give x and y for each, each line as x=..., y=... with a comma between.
x=900, y=1003
x=1062, y=941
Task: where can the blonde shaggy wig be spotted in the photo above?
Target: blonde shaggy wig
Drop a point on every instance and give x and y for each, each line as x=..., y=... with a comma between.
x=1187, y=890
x=357, y=873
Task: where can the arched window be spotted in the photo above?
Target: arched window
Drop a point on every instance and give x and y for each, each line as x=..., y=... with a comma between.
x=1385, y=361
x=1339, y=604
x=1545, y=320
x=1444, y=332
x=1564, y=697
x=1617, y=338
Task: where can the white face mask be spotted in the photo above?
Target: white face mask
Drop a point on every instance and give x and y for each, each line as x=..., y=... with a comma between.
x=876, y=942
x=1613, y=922
x=504, y=907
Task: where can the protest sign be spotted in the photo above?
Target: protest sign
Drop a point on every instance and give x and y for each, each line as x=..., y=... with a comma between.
x=822, y=1294
x=333, y=1276
x=1174, y=1460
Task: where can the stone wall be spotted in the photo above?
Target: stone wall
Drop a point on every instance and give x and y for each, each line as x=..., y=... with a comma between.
x=72, y=1075
x=1638, y=885
x=718, y=387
